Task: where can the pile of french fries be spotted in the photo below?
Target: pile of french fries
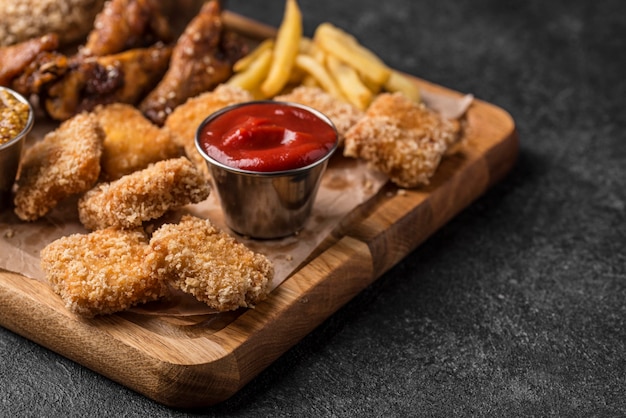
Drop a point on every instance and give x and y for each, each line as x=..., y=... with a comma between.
x=333, y=60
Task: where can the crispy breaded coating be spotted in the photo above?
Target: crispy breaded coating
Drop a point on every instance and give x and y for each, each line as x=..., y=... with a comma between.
x=186, y=118
x=131, y=141
x=24, y=19
x=401, y=138
x=102, y=272
x=64, y=163
x=343, y=115
x=143, y=195
x=210, y=264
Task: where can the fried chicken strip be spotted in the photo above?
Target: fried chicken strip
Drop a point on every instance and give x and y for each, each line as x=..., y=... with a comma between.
x=401, y=138
x=143, y=195
x=210, y=264
x=201, y=59
x=66, y=162
x=131, y=141
x=21, y=20
x=102, y=272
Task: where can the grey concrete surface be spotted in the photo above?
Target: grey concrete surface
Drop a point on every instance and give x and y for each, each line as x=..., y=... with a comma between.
x=517, y=307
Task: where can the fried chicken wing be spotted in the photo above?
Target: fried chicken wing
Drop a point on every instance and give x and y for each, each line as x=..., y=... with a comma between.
x=125, y=78
x=127, y=24
x=143, y=195
x=64, y=163
x=210, y=264
x=45, y=69
x=401, y=138
x=201, y=59
x=102, y=272
x=15, y=58
x=131, y=141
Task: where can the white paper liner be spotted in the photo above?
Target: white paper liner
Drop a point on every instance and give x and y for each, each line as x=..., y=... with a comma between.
x=346, y=185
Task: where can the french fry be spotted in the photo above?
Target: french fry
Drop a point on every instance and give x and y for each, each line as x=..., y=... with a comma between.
x=306, y=45
x=316, y=70
x=373, y=86
x=349, y=83
x=332, y=60
x=243, y=63
x=318, y=53
x=347, y=49
x=398, y=82
x=286, y=49
x=297, y=74
x=254, y=73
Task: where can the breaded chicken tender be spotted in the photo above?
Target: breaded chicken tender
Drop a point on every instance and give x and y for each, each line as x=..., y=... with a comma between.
x=64, y=163
x=143, y=195
x=102, y=272
x=343, y=115
x=185, y=119
x=401, y=138
x=131, y=141
x=25, y=19
x=209, y=264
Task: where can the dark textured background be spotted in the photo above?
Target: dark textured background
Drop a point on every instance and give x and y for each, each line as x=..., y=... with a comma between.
x=517, y=307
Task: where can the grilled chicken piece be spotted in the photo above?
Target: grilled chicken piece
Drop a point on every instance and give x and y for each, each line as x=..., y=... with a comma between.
x=127, y=24
x=15, y=58
x=125, y=77
x=201, y=59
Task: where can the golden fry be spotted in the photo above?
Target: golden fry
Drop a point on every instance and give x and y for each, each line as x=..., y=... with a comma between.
x=306, y=45
x=349, y=83
x=346, y=48
x=310, y=81
x=285, y=50
x=398, y=82
x=253, y=75
x=246, y=61
x=313, y=68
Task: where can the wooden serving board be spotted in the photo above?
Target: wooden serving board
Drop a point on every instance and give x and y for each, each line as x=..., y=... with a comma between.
x=188, y=362
x=199, y=361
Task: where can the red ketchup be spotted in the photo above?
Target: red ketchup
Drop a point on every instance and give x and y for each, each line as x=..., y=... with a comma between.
x=266, y=137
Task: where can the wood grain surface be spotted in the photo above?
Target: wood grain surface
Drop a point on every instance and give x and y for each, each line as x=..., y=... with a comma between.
x=202, y=360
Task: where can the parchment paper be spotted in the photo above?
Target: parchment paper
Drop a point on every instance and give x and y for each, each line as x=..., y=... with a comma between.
x=346, y=185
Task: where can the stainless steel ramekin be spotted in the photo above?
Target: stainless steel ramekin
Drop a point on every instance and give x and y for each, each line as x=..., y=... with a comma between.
x=266, y=205
x=11, y=153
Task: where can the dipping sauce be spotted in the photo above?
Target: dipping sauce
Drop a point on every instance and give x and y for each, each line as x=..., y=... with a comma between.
x=13, y=116
x=267, y=137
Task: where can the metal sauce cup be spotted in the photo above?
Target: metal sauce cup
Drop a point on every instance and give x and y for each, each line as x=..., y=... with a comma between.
x=11, y=153
x=266, y=205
